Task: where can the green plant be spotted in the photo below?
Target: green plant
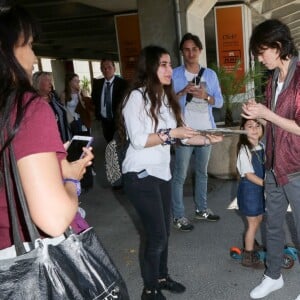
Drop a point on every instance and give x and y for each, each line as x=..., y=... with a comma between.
x=260, y=80
x=238, y=89
x=85, y=85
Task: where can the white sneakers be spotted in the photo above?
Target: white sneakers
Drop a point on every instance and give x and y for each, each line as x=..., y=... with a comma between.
x=267, y=286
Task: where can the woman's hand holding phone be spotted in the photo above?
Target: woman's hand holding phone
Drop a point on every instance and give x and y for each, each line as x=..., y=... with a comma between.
x=79, y=157
x=76, y=145
x=77, y=168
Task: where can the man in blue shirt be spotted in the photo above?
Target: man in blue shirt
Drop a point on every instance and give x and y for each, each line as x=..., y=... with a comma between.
x=198, y=90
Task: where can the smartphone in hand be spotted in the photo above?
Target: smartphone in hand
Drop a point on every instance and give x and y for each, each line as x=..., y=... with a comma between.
x=75, y=148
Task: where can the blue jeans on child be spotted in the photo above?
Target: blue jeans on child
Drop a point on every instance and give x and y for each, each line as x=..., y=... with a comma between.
x=182, y=160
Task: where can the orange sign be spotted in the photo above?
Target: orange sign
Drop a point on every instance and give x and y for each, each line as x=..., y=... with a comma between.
x=229, y=29
x=129, y=43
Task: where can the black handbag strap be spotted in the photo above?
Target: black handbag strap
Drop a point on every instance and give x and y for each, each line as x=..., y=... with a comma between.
x=20, y=249
x=189, y=97
x=12, y=179
x=32, y=230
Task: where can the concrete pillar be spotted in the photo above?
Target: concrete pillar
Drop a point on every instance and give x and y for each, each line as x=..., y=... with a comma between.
x=157, y=21
x=195, y=15
x=164, y=22
x=58, y=74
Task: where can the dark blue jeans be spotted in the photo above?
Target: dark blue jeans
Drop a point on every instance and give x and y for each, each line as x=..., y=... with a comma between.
x=151, y=198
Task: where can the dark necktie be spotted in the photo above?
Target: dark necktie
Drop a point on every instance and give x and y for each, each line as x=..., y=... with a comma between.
x=107, y=101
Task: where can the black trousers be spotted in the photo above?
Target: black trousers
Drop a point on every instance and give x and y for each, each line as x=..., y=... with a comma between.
x=108, y=128
x=151, y=198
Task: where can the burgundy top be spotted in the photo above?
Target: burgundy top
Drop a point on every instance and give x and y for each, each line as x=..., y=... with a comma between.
x=38, y=133
x=287, y=145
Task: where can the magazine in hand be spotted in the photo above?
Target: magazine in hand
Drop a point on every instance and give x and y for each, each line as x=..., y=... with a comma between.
x=221, y=131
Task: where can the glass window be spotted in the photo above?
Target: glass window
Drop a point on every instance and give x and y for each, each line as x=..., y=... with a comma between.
x=81, y=68
x=96, y=69
x=35, y=68
x=46, y=64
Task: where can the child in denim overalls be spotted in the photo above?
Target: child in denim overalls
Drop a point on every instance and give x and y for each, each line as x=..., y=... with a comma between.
x=250, y=196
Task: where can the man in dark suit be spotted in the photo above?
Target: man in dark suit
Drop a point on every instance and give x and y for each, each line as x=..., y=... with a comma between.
x=107, y=94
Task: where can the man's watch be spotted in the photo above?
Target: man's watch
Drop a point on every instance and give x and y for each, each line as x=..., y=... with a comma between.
x=208, y=98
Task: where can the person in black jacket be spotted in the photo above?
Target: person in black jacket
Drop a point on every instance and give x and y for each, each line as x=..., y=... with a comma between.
x=107, y=93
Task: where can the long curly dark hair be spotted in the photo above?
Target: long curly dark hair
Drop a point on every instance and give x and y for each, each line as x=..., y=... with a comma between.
x=15, y=23
x=146, y=77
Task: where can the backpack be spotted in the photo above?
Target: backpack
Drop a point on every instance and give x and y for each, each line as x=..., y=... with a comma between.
x=115, y=153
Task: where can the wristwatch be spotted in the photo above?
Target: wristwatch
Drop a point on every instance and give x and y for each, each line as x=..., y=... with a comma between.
x=208, y=98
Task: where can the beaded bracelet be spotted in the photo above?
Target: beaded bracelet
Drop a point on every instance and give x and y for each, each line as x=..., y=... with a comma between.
x=77, y=184
x=169, y=140
x=159, y=135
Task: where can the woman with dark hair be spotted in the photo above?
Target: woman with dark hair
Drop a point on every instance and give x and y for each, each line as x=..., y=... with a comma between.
x=49, y=182
x=151, y=119
x=271, y=42
x=71, y=97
